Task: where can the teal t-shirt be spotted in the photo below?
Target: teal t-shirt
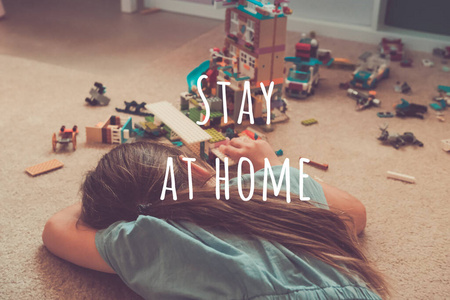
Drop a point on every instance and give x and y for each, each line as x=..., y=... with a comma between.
x=161, y=259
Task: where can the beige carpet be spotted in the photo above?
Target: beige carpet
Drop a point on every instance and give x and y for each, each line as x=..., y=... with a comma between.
x=408, y=224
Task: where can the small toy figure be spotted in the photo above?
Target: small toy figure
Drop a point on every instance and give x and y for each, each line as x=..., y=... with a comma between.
x=402, y=88
x=363, y=100
x=396, y=140
x=406, y=109
x=98, y=95
x=134, y=108
x=65, y=136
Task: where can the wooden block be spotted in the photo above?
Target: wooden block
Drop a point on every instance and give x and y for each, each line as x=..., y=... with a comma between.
x=44, y=167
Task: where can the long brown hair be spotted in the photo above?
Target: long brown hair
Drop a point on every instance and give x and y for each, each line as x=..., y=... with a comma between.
x=128, y=181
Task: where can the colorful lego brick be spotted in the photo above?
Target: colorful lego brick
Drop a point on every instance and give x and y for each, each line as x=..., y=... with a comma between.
x=215, y=135
x=309, y=122
x=187, y=130
x=45, y=167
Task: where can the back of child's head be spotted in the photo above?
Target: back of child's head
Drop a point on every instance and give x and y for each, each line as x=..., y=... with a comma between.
x=127, y=177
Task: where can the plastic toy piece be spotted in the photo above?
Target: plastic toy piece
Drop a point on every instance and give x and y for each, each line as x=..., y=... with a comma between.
x=371, y=70
x=279, y=152
x=406, y=62
x=112, y=131
x=387, y=114
x=446, y=145
x=441, y=105
x=309, y=122
x=134, y=108
x=427, y=63
x=65, y=136
x=45, y=167
x=396, y=140
x=363, y=100
x=318, y=165
x=303, y=78
x=406, y=109
x=442, y=52
x=402, y=88
x=98, y=95
x=391, y=49
x=401, y=177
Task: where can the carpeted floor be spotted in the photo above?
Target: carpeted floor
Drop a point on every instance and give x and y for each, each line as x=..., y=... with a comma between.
x=407, y=234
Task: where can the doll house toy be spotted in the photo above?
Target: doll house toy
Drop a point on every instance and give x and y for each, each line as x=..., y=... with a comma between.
x=304, y=77
x=253, y=52
x=113, y=131
x=65, y=136
x=372, y=70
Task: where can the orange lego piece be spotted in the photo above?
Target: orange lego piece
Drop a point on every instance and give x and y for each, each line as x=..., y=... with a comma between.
x=44, y=167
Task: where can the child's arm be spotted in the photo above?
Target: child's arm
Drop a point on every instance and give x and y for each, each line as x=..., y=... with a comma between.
x=337, y=199
x=73, y=242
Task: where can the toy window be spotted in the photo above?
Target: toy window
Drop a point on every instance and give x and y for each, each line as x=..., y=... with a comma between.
x=250, y=32
x=234, y=25
x=232, y=50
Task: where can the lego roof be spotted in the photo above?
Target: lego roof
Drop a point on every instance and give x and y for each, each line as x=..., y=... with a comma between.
x=187, y=130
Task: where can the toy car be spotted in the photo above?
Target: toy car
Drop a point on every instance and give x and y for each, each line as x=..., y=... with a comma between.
x=301, y=83
x=371, y=70
x=65, y=136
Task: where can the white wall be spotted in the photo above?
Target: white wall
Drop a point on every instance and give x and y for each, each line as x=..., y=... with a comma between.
x=357, y=20
x=352, y=12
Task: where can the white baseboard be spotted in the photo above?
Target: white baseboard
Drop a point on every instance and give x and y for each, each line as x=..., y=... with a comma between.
x=413, y=40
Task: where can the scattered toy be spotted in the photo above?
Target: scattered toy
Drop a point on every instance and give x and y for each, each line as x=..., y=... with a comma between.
x=406, y=62
x=65, y=136
x=45, y=167
x=391, y=49
x=303, y=78
x=401, y=177
x=343, y=64
x=427, y=63
x=112, y=131
x=344, y=85
x=402, y=87
x=317, y=165
x=134, y=108
x=372, y=69
x=309, y=122
x=396, y=140
x=406, y=109
x=442, y=52
x=440, y=105
x=387, y=114
x=98, y=95
x=446, y=145
x=363, y=100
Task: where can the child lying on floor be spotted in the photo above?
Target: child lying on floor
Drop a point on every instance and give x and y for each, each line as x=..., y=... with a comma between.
x=213, y=249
